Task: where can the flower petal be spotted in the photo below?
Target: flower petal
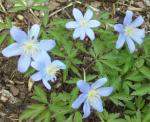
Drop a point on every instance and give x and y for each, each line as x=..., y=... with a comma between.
x=77, y=103
x=119, y=28
x=105, y=91
x=76, y=33
x=82, y=34
x=77, y=14
x=128, y=18
x=88, y=14
x=138, y=21
x=97, y=104
x=47, y=44
x=72, y=24
x=130, y=44
x=138, y=33
x=59, y=64
x=90, y=34
x=99, y=83
x=11, y=50
x=18, y=35
x=138, y=40
x=86, y=109
x=36, y=76
x=34, y=32
x=93, y=23
x=83, y=86
x=46, y=84
x=120, y=41
x=24, y=63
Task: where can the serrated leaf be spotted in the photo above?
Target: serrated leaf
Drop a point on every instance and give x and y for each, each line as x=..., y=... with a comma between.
x=78, y=117
x=145, y=71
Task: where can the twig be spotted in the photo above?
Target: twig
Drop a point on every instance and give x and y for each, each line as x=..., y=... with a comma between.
x=1, y=5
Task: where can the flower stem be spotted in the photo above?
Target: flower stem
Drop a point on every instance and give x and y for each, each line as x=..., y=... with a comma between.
x=84, y=75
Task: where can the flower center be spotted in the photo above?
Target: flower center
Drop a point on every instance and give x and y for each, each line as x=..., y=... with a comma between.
x=83, y=23
x=92, y=94
x=30, y=48
x=129, y=30
x=51, y=70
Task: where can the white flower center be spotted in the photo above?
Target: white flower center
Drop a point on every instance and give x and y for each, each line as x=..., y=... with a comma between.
x=93, y=94
x=83, y=23
x=51, y=70
x=30, y=48
x=129, y=30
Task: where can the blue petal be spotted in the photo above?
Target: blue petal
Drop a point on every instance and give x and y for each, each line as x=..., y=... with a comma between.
x=59, y=64
x=82, y=34
x=119, y=28
x=120, y=41
x=11, y=50
x=47, y=44
x=138, y=40
x=83, y=86
x=88, y=14
x=128, y=18
x=77, y=103
x=18, y=35
x=24, y=63
x=34, y=32
x=138, y=33
x=97, y=104
x=86, y=109
x=93, y=23
x=46, y=84
x=42, y=57
x=77, y=14
x=90, y=34
x=105, y=91
x=138, y=21
x=72, y=24
x=99, y=83
x=130, y=45
x=36, y=76
x=76, y=33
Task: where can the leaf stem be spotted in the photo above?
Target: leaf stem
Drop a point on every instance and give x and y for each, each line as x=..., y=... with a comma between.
x=84, y=75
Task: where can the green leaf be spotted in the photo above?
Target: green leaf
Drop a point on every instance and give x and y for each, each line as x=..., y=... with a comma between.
x=40, y=95
x=145, y=89
x=39, y=1
x=145, y=71
x=78, y=117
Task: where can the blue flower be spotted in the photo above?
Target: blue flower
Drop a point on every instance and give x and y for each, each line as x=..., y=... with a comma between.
x=91, y=96
x=83, y=24
x=27, y=46
x=129, y=32
x=46, y=70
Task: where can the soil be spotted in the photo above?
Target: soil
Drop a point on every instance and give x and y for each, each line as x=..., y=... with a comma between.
x=14, y=93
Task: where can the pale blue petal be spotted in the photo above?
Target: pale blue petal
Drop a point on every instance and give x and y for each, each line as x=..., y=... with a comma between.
x=59, y=64
x=99, y=83
x=42, y=56
x=11, y=50
x=72, y=24
x=24, y=63
x=77, y=103
x=105, y=91
x=97, y=104
x=138, y=40
x=82, y=34
x=93, y=23
x=34, y=32
x=90, y=34
x=83, y=86
x=88, y=14
x=47, y=44
x=138, y=33
x=37, y=65
x=130, y=45
x=138, y=21
x=77, y=14
x=86, y=109
x=36, y=76
x=128, y=18
x=119, y=28
x=120, y=41
x=18, y=35
x=46, y=84
x=76, y=33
